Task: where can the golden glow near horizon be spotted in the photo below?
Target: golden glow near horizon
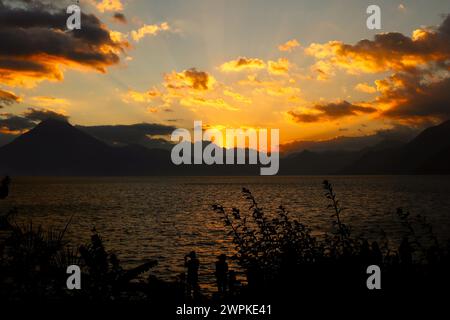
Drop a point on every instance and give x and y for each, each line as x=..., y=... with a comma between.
x=238, y=68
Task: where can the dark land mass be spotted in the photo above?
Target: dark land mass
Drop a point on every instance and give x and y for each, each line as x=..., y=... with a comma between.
x=56, y=148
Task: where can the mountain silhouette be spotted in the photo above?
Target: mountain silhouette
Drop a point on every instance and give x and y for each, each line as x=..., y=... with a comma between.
x=55, y=147
x=426, y=153
x=439, y=164
x=309, y=163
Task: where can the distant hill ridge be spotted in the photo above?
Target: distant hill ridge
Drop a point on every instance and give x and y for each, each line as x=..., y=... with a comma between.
x=426, y=153
x=56, y=148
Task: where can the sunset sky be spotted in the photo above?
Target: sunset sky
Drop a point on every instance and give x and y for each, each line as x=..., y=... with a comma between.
x=290, y=64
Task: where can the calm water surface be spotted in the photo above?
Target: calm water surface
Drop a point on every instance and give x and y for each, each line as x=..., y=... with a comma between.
x=164, y=218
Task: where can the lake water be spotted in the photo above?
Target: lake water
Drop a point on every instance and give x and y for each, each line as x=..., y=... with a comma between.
x=165, y=218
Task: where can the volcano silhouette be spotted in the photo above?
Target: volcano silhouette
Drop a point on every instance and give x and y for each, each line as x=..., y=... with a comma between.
x=55, y=147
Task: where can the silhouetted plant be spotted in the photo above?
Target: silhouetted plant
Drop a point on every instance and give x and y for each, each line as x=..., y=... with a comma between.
x=420, y=236
x=34, y=262
x=31, y=261
x=343, y=230
x=278, y=249
x=5, y=219
x=266, y=245
x=340, y=244
x=107, y=279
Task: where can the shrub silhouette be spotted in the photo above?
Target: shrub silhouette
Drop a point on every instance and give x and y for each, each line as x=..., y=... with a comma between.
x=34, y=262
x=279, y=253
x=106, y=279
x=265, y=246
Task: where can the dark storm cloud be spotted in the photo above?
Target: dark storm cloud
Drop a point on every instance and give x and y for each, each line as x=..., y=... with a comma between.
x=34, y=41
x=331, y=111
x=304, y=117
x=11, y=122
x=7, y=98
x=401, y=132
x=128, y=134
x=342, y=109
x=38, y=115
x=416, y=100
x=28, y=119
x=120, y=17
x=395, y=51
x=418, y=95
x=418, y=88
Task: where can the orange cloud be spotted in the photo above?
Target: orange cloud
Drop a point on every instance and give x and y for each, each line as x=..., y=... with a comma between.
x=152, y=110
x=152, y=29
x=189, y=79
x=322, y=70
x=141, y=97
x=418, y=87
x=365, y=87
x=135, y=96
x=289, y=45
x=390, y=51
x=109, y=5
x=118, y=37
x=278, y=90
x=236, y=96
x=217, y=103
x=407, y=98
x=242, y=64
x=330, y=111
x=280, y=67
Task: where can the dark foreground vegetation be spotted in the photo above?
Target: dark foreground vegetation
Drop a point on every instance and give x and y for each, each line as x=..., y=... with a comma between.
x=281, y=259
